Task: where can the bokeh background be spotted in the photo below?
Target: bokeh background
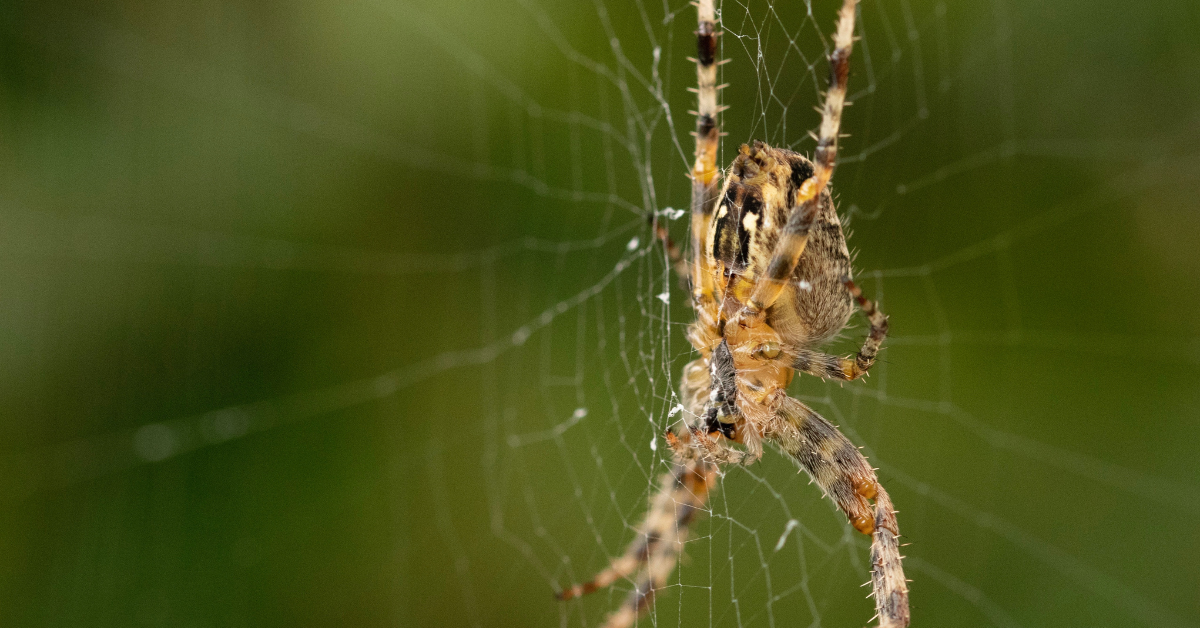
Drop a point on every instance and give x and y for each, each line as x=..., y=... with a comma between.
x=348, y=313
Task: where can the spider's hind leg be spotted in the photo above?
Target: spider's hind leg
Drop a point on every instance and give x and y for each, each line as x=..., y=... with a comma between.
x=794, y=237
x=706, y=178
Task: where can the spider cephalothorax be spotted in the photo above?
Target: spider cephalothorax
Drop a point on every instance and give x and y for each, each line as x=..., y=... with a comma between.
x=771, y=283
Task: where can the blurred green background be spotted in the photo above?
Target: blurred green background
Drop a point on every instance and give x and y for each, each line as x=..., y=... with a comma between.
x=348, y=314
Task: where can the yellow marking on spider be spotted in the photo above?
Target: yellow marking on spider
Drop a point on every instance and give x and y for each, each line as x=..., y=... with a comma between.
x=849, y=369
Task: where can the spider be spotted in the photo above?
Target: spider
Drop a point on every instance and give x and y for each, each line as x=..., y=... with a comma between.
x=770, y=280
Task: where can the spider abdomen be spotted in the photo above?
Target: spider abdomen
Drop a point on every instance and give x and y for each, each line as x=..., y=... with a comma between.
x=758, y=198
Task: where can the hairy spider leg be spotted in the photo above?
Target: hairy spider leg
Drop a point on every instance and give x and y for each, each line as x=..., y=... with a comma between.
x=827, y=366
x=819, y=448
x=684, y=491
x=840, y=469
x=674, y=255
x=879, y=328
x=682, y=495
x=808, y=198
x=705, y=176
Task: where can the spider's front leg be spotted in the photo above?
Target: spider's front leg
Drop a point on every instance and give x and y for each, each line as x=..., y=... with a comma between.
x=840, y=469
x=681, y=497
x=715, y=449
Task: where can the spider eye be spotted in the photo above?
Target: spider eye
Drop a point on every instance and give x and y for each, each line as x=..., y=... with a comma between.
x=767, y=350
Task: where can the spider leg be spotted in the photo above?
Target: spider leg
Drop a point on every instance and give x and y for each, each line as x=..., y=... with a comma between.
x=838, y=467
x=723, y=416
x=678, y=264
x=704, y=174
x=827, y=366
x=716, y=451
x=832, y=367
x=879, y=327
x=794, y=235
x=681, y=496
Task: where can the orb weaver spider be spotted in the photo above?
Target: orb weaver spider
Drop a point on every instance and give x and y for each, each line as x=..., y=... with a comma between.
x=770, y=278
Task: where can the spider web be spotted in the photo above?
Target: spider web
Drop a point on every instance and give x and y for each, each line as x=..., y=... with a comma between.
x=1042, y=471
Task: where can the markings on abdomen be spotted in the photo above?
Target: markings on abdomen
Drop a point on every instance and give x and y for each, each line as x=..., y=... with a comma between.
x=722, y=217
x=738, y=219
x=751, y=220
x=802, y=170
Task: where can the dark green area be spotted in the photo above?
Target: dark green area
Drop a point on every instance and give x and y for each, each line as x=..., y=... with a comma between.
x=326, y=314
